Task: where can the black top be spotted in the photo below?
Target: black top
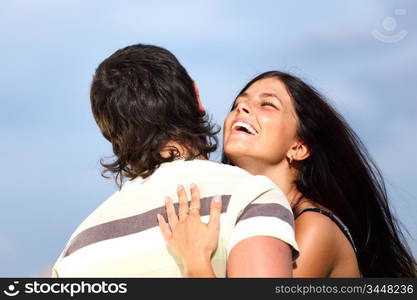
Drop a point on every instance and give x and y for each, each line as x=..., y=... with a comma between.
x=335, y=219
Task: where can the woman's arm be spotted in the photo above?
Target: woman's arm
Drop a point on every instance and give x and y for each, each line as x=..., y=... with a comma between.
x=194, y=243
x=260, y=256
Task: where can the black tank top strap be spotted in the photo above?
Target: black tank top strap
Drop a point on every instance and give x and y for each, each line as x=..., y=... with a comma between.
x=335, y=219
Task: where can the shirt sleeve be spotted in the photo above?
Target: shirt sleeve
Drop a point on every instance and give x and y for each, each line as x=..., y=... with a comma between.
x=265, y=213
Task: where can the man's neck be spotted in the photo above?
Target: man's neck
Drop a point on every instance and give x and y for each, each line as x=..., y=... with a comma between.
x=178, y=150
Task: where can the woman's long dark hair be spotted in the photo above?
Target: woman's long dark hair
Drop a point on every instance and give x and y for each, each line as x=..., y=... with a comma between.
x=340, y=175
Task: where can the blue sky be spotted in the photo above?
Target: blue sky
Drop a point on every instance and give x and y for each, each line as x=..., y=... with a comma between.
x=49, y=50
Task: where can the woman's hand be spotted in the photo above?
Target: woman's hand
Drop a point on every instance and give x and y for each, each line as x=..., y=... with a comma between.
x=190, y=239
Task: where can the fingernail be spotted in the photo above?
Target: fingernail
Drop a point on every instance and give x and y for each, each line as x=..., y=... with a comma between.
x=179, y=187
x=166, y=199
x=192, y=185
x=217, y=199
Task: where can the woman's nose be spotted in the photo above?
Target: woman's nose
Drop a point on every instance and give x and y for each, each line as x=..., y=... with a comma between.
x=243, y=108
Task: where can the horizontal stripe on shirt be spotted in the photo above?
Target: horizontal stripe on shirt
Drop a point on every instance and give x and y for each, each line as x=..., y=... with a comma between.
x=131, y=225
x=147, y=220
x=267, y=210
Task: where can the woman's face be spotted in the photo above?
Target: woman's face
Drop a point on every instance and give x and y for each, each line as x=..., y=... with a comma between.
x=262, y=126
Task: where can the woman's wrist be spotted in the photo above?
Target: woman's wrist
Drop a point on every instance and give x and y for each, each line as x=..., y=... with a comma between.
x=199, y=268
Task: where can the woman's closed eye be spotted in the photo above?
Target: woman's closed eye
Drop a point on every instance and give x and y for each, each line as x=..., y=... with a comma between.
x=267, y=103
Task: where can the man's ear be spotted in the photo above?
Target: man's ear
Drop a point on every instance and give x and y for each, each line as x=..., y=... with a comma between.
x=299, y=151
x=197, y=94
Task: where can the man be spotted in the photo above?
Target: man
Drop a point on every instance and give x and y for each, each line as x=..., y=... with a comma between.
x=148, y=107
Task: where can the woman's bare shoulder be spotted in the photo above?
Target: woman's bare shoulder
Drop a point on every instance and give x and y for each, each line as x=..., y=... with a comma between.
x=311, y=221
x=315, y=231
x=324, y=249
x=316, y=236
x=321, y=227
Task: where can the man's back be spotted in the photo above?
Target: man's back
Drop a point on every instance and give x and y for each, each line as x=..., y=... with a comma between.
x=121, y=238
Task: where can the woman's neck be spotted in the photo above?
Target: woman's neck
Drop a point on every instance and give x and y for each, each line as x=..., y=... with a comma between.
x=282, y=176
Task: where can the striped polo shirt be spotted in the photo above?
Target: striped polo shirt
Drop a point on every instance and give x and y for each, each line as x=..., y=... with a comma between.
x=121, y=238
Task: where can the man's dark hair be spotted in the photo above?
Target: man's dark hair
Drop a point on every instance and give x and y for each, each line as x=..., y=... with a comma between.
x=141, y=98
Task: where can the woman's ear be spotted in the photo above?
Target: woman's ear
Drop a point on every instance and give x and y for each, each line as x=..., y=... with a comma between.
x=197, y=94
x=299, y=151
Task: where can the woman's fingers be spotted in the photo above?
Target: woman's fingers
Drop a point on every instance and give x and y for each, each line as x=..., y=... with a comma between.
x=195, y=201
x=215, y=212
x=164, y=227
x=171, y=214
x=183, y=203
x=186, y=235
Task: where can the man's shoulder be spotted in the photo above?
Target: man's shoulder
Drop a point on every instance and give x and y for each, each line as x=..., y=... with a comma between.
x=215, y=167
x=228, y=173
x=99, y=214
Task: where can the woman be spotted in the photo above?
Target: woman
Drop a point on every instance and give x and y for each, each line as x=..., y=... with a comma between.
x=282, y=128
